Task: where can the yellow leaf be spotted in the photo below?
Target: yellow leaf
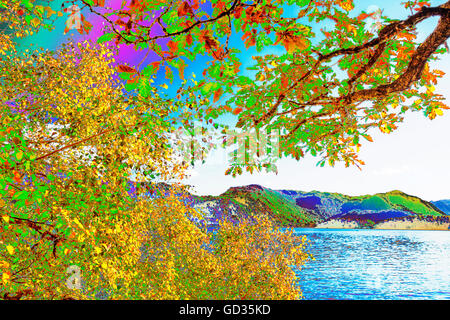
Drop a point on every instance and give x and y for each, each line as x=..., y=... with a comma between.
x=19, y=155
x=35, y=21
x=432, y=115
x=77, y=222
x=4, y=264
x=352, y=29
x=439, y=112
x=6, y=218
x=10, y=249
x=431, y=89
x=5, y=277
x=347, y=5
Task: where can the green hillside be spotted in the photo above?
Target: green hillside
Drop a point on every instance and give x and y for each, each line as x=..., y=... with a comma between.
x=307, y=209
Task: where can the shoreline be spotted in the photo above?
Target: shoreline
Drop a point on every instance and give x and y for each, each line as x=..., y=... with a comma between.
x=378, y=229
x=414, y=224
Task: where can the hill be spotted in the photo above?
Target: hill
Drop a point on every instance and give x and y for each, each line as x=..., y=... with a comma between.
x=292, y=208
x=443, y=205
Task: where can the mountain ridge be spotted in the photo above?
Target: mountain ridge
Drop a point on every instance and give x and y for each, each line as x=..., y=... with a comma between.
x=443, y=205
x=293, y=208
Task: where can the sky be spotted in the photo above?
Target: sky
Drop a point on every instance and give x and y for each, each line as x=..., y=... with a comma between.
x=414, y=159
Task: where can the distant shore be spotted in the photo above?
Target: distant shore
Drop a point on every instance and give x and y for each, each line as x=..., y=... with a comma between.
x=412, y=225
x=415, y=224
x=338, y=224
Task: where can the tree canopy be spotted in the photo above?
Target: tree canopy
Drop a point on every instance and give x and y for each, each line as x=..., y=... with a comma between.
x=76, y=125
x=328, y=89
x=71, y=225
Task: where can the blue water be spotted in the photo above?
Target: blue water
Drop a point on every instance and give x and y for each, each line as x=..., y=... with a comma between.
x=376, y=264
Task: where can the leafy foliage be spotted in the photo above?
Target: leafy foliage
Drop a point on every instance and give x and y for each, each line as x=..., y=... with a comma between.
x=72, y=133
x=325, y=93
x=71, y=140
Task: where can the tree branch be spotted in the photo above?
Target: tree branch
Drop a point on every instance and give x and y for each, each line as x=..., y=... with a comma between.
x=415, y=67
x=413, y=72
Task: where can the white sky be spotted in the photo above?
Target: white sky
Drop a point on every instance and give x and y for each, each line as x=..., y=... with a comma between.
x=414, y=159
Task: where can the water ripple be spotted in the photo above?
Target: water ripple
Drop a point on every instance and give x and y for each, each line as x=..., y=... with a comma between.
x=376, y=264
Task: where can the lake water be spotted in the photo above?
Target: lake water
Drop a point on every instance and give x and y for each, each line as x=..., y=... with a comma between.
x=376, y=264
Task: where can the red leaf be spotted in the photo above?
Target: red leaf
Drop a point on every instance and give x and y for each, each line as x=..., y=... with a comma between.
x=133, y=79
x=135, y=4
x=284, y=82
x=217, y=95
x=423, y=3
x=99, y=3
x=86, y=25
x=209, y=43
x=245, y=35
x=207, y=39
x=184, y=9
x=189, y=39
x=181, y=67
x=362, y=16
x=123, y=68
x=369, y=138
x=219, y=55
x=228, y=108
x=156, y=65
x=238, y=12
x=120, y=23
x=128, y=26
x=173, y=46
x=237, y=111
x=195, y=6
x=220, y=5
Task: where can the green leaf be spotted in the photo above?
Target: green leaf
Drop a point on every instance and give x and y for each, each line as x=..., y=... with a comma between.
x=22, y=195
x=302, y=3
x=124, y=75
x=251, y=101
x=27, y=4
x=130, y=86
x=106, y=37
x=28, y=19
x=210, y=86
x=237, y=24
